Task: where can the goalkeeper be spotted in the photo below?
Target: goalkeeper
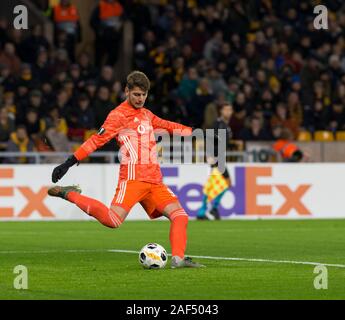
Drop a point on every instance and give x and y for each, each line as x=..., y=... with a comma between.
x=140, y=179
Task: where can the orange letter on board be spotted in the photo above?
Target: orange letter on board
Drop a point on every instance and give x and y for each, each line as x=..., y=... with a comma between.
x=35, y=202
x=293, y=199
x=6, y=192
x=253, y=190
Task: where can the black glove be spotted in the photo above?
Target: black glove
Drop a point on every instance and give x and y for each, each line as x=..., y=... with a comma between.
x=61, y=170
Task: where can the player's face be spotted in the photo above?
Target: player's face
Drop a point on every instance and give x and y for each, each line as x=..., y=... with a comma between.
x=227, y=112
x=136, y=97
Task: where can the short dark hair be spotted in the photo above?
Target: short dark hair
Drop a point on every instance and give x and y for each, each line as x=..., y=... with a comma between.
x=138, y=79
x=32, y=110
x=21, y=126
x=223, y=105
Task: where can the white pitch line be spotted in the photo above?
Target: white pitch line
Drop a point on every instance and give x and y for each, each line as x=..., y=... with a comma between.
x=192, y=256
x=248, y=259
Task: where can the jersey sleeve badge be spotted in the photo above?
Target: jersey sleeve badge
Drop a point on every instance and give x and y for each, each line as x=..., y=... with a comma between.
x=101, y=131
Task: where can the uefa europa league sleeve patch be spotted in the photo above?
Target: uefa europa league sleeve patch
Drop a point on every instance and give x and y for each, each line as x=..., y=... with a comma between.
x=101, y=131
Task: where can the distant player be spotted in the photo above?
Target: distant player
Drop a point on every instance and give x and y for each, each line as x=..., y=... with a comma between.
x=140, y=179
x=218, y=182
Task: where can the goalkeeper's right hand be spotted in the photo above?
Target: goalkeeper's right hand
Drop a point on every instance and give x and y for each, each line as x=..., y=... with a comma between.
x=61, y=170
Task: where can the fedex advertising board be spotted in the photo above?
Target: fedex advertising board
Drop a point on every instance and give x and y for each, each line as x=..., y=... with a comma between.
x=257, y=191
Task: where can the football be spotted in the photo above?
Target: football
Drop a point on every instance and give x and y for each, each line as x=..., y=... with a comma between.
x=153, y=256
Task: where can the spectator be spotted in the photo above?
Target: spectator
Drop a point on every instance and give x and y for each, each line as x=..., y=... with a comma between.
x=211, y=110
x=61, y=61
x=16, y=37
x=198, y=38
x=320, y=93
x=216, y=81
x=188, y=56
x=57, y=140
x=22, y=96
x=102, y=105
x=238, y=19
x=255, y=132
x=9, y=58
x=36, y=102
x=67, y=30
x=20, y=142
x=63, y=103
x=9, y=104
x=106, y=77
x=85, y=118
x=75, y=76
x=294, y=107
x=336, y=117
x=34, y=44
x=54, y=119
x=117, y=94
x=213, y=46
x=7, y=80
x=69, y=86
x=277, y=131
x=203, y=96
x=188, y=85
x=212, y=16
x=87, y=70
x=47, y=93
x=7, y=126
x=282, y=118
x=41, y=69
x=252, y=57
x=140, y=15
x=228, y=58
x=91, y=89
x=336, y=72
x=309, y=74
x=32, y=124
x=107, y=22
x=165, y=21
x=26, y=78
x=4, y=37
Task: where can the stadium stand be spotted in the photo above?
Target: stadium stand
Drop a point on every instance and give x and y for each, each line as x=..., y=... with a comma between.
x=264, y=57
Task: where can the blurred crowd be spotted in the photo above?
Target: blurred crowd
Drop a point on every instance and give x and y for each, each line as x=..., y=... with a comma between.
x=263, y=56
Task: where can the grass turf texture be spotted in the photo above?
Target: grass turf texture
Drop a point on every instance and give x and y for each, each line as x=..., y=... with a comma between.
x=95, y=273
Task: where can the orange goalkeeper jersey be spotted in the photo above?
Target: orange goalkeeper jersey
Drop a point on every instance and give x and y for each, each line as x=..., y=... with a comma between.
x=134, y=130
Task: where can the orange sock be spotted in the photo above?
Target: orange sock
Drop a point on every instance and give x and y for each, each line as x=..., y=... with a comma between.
x=96, y=209
x=178, y=232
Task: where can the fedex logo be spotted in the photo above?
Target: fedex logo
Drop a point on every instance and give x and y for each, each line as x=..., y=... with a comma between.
x=35, y=200
x=245, y=189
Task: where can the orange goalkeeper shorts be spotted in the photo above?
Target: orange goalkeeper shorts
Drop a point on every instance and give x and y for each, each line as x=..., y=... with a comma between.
x=153, y=197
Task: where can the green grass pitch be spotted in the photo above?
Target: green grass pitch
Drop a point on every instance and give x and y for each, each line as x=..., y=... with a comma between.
x=70, y=260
